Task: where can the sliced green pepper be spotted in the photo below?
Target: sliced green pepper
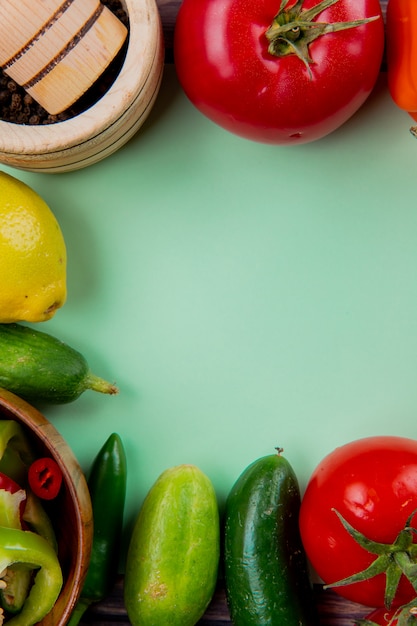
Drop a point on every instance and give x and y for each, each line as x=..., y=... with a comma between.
x=10, y=506
x=13, y=436
x=15, y=456
x=38, y=520
x=17, y=578
x=107, y=485
x=34, y=552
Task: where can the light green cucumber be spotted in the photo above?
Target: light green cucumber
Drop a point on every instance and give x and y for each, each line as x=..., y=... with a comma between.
x=38, y=367
x=173, y=555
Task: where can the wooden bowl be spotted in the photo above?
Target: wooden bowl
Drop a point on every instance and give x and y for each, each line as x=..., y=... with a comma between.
x=70, y=512
x=109, y=123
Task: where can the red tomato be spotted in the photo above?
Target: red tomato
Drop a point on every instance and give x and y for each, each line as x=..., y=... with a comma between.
x=224, y=66
x=45, y=478
x=372, y=483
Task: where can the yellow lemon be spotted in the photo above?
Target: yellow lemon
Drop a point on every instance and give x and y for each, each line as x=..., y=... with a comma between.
x=32, y=255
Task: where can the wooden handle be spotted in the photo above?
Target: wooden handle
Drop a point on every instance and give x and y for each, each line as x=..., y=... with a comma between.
x=57, y=49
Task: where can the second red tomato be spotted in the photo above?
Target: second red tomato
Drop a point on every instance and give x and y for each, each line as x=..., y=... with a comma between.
x=225, y=66
x=372, y=484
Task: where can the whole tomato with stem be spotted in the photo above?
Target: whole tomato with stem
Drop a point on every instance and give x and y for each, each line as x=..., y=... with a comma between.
x=279, y=71
x=357, y=520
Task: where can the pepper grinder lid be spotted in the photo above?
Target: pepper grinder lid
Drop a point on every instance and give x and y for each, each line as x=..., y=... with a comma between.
x=57, y=49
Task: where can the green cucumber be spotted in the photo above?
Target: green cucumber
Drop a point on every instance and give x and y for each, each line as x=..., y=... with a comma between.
x=173, y=555
x=39, y=367
x=266, y=571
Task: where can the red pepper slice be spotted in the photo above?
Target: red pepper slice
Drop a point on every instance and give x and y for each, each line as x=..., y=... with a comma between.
x=45, y=478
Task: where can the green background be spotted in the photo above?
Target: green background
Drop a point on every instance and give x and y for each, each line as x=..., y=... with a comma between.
x=242, y=296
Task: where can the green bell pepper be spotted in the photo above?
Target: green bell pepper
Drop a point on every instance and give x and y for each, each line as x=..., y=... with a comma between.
x=33, y=552
x=38, y=520
x=15, y=456
x=17, y=578
x=16, y=453
x=10, y=508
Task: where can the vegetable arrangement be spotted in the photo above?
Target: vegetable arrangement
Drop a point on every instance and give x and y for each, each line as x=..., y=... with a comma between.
x=31, y=577
x=355, y=524
x=33, y=257
x=283, y=74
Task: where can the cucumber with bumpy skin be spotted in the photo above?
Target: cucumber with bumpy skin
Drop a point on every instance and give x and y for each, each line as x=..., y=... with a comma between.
x=38, y=367
x=266, y=573
x=173, y=555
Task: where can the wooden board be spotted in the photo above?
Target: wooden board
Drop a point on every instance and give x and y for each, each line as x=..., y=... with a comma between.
x=333, y=610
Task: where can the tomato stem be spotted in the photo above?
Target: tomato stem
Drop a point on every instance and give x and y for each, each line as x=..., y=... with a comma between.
x=394, y=560
x=293, y=29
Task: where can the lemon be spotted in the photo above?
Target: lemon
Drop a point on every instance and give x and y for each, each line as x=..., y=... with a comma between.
x=32, y=255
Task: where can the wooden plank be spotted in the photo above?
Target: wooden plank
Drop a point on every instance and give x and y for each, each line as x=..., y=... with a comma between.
x=333, y=610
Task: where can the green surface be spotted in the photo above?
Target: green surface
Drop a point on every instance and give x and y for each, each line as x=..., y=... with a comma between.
x=242, y=296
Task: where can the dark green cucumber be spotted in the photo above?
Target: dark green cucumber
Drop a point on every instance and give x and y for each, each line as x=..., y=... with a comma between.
x=39, y=367
x=266, y=571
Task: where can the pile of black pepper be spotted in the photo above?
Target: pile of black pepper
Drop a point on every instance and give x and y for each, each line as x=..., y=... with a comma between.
x=18, y=107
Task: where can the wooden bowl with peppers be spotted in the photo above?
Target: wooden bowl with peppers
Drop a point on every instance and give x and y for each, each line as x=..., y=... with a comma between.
x=46, y=520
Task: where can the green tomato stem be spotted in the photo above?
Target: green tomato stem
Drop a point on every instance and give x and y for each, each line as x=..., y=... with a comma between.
x=394, y=560
x=293, y=29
